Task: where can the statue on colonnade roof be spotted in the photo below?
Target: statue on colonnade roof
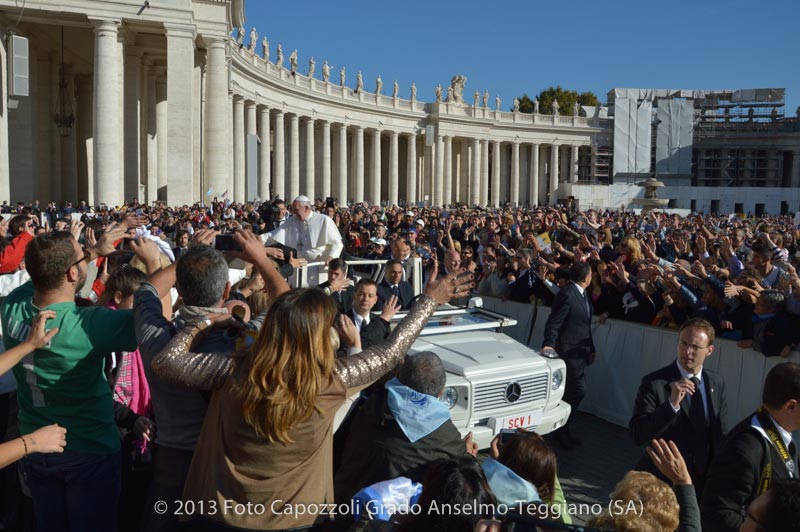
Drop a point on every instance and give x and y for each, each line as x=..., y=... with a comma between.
x=236, y=16
x=279, y=58
x=293, y=61
x=265, y=48
x=326, y=72
x=240, y=36
x=253, y=40
x=457, y=83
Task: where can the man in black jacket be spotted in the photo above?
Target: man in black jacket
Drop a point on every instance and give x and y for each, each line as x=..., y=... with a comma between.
x=387, y=438
x=568, y=333
x=758, y=451
x=393, y=284
x=338, y=285
x=372, y=329
x=685, y=403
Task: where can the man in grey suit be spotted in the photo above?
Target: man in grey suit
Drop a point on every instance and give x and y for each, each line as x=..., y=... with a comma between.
x=685, y=403
x=568, y=333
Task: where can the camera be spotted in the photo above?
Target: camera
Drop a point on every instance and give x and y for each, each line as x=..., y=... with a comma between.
x=269, y=214
x=329, y=203
x=506, y=435
x=226, y=243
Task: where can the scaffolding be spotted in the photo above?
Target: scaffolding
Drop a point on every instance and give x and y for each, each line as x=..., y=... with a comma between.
x=733, y=134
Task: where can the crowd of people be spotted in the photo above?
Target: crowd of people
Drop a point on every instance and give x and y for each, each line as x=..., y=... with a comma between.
x=165, y=374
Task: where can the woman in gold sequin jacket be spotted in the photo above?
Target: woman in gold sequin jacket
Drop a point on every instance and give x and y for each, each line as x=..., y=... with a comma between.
x=264, y=458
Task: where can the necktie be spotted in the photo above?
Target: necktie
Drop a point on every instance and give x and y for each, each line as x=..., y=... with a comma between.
x=586, y=303
x=697, y=415
x=396, y=290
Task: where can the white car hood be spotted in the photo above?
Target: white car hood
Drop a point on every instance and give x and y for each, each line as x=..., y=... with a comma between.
x=479, y=353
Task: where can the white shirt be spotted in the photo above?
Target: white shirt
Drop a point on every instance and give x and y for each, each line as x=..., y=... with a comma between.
x=581, y=289
x=785, y=435
x=686, y=375
x=360, y=320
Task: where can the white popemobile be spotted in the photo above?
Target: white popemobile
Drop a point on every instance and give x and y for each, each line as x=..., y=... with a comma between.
x=493, y=381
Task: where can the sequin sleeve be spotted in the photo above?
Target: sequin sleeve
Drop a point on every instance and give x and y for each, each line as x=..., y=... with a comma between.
x=202, y=371
x=374, y=362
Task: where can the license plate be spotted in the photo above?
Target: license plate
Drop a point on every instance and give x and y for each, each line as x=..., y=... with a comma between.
x=519, y=421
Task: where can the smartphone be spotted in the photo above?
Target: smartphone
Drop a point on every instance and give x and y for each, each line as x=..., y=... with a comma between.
x=138, y=212
x=506, y=435
x=226, y=243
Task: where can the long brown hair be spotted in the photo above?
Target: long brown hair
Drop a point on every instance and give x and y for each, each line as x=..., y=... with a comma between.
x=290, y=364
x=529, y=456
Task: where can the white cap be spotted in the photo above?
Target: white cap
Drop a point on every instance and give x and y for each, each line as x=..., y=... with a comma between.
x=302, y=199
x=379, y=241
x=421, y=222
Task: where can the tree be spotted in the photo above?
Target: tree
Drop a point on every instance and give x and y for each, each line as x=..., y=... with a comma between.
x=566, y=100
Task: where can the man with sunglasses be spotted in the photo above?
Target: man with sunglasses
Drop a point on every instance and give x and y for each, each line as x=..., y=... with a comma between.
x=64, y=383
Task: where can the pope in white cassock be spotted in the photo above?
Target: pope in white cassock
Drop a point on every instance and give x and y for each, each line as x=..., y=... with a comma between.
x=315, y=236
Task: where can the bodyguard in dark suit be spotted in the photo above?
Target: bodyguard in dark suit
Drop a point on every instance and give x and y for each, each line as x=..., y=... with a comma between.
x=338, y=286
x=683, y=403
x=372, y=329
x=568, y=331
x=758, y=451
x=394, y=285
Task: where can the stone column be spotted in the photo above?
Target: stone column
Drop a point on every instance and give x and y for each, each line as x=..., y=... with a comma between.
x=438, y=173
x=151, y=180
x=132, y=99
x=514, y=192
x=463, y=193
x=496, y=199
x=180, y=121
x=280, y=157
x=411, y=169
x=475, y=182
x=795, y=182
x=309, y=175
x=358, y=195
x=239, y=165
x=216, y=141
x=161, y=136
x=106, y=114
x=533, y=190
x=326, y=159
x=263, y=153
x=448, y=171
x=294, y=158
x=485, y=172
x=69, y=150
x=394, y=170
x=84, y=112
x=375, y=168
x=553, y=173
x=573, y=169
x=251, y=128
x=341, y=158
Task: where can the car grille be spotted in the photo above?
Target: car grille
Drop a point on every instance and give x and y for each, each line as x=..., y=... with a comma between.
x=492, y=395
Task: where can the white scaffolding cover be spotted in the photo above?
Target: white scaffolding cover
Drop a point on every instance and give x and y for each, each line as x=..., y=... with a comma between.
x=674, y=137
x=632, y=136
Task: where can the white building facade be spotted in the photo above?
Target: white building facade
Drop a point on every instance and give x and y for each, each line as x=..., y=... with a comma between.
x=168, y=105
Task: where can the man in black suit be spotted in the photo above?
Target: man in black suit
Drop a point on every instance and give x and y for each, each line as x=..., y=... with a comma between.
x=568, y=334
x=338, y=285
x=527, y=282
x=372, y=329
x=684, y=403
x=394, y=285
x=758, y=451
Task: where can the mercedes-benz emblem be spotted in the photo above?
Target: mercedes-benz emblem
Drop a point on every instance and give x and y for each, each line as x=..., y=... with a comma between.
x=513, y=392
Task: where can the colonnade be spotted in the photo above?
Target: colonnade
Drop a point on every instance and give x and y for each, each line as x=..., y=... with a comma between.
x=320, y=158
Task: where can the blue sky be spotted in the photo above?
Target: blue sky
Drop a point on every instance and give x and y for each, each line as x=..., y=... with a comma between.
x=511, y=47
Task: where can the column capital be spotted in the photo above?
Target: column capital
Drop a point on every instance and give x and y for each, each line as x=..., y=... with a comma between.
x=263, y=108
x=309, y=119
x=214, y=41
x=105, y=25
x=279, y=113
x=238, y=98
x=249, y=103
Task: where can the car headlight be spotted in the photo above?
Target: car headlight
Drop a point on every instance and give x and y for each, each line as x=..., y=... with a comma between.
x=557, y=379
x=449, y=397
